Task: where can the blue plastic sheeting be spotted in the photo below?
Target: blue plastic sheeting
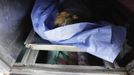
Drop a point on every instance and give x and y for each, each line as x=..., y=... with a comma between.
x=102, y=40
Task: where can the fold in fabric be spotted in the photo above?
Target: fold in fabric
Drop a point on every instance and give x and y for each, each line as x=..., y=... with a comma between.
x=102, y=40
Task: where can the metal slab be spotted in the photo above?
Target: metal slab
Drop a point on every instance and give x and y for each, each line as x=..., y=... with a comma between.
x=47, y=69
x=28, y=67
x=25, y=57
x=53, y=47
x=32, y=57
x=29, y=57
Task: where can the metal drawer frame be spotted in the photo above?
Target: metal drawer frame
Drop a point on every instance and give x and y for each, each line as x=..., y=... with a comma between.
x=28, y=65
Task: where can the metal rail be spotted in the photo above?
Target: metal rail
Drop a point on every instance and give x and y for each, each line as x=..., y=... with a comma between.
x=28, y=65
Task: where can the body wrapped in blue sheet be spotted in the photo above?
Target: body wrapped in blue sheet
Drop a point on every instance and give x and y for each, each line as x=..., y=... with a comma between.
x=102, y=40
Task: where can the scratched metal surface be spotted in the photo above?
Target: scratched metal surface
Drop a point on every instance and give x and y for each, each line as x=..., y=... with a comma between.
x=12, y=13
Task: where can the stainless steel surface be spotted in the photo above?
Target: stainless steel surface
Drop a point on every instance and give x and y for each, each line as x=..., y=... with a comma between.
x=11, y=29
x=41, y=69
x=28, y=66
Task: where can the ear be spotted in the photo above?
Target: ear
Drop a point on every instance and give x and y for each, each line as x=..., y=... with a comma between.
x=75, y=17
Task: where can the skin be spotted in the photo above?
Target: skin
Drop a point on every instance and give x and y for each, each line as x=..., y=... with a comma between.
x=64, y=18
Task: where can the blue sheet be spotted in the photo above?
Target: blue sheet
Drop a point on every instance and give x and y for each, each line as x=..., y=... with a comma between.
x=102, y=40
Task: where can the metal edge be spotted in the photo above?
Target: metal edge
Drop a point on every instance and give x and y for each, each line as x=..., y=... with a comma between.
x=130, y=65
x=54, y=47
x=4, y=68
x=30, y=37
x=43, y=68
x=32, y=57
